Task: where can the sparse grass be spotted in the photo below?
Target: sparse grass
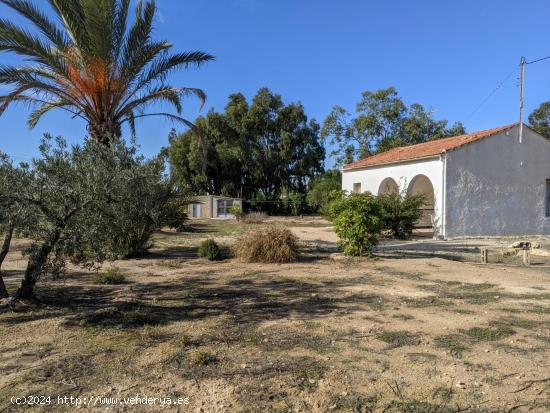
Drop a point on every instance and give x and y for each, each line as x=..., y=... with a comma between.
x=203, y=358
x=111, y=276
x=431, y=301
x=454, y=343
x=263, y=336
x=539, y=310
x=479, y=334
x=517, y=322
x=414, y=275
x=463, y=311
x=175, y=263
x=309, y=373
x=354, y=403
x=398, y=338
x=470, y=293
x=404, y=317
x=150, y=333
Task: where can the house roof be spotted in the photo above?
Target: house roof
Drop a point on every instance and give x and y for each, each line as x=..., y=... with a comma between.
x=424, y=150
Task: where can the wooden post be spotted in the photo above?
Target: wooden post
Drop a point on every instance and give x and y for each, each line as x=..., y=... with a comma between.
x=484, y=256
x=526, y=257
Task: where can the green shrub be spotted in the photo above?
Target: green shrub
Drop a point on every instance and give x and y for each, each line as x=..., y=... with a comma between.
x=358, y=223
x=271, y=244
x=322, y=190
x=111, y=276
x=210, y=250
x=297, y=203
x=175, y=214
x=400, y=213
x=203, y=358
x=237, y=211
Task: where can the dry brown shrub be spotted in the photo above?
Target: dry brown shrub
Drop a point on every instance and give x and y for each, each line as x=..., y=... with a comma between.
x=271, y=244
x=255, y=218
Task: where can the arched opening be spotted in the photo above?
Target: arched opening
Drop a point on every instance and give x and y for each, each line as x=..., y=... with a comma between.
x=421, y=185
x=388, y=186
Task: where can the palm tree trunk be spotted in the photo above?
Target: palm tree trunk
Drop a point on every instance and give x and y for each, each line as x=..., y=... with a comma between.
x=104, y=132
x=3, y=252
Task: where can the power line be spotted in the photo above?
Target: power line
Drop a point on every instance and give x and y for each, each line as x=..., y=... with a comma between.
x=495, y=90
x=537, y=60
x=499, y=86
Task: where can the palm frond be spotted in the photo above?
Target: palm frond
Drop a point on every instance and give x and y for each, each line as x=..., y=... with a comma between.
x=45, y=107
x=121, y=18
x=34, y=15
x=139, y=60
x=160, y=68
x=18, y=40
x=162, y=93
x=138, y=39
x=72, y=15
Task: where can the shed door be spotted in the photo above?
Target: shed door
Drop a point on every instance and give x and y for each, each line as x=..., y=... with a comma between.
x=196, y=210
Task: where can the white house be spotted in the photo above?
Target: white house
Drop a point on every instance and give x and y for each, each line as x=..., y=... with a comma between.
x=487, y=183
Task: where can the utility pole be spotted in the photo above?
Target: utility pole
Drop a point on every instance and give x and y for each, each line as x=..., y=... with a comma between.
x=522, y=81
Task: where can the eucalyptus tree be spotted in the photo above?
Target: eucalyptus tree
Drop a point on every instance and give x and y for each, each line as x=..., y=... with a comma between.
x=539, y=119
x=382, y=121
x=92, y=62
x=260, y=150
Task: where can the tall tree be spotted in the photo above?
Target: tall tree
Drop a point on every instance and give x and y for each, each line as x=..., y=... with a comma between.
x=383, y=121
x=539, y=119
x=262, y=149
x=93, y=64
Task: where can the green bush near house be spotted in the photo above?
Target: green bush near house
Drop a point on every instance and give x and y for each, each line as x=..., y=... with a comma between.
x=358, y=222
x=400, y=213
x=210, y=250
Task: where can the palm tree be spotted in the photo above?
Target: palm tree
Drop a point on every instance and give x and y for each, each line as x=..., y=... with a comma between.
x=91, y=63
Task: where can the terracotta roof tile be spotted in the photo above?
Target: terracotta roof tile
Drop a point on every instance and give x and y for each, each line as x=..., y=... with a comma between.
x=423, y=150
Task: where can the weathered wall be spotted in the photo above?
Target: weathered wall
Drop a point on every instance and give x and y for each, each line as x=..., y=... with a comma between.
x=497, y=186
x=403, y=173
x=209, y=206
x=206, y=206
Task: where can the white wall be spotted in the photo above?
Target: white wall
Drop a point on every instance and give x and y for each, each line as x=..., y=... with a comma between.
x=497, y=186
x=403, y=173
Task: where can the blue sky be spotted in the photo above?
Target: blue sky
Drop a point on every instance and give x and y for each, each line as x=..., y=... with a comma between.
x=448, y=55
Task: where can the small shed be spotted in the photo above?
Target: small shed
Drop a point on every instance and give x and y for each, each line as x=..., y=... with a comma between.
x=212, y=206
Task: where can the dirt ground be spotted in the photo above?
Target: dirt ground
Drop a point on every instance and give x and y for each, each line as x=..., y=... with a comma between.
x=400, y=332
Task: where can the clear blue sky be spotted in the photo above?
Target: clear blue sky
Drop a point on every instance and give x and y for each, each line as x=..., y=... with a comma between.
x=447, y=55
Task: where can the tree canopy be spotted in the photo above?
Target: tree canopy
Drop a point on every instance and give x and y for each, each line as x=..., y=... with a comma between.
x=262, y=149
x=539, y=119
x=382, y=121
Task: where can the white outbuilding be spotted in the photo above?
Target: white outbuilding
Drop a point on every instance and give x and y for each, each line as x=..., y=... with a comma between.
x=487, y=183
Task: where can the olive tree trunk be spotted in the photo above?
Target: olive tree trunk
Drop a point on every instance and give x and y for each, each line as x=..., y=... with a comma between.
x=35, y=266
x=3, y=252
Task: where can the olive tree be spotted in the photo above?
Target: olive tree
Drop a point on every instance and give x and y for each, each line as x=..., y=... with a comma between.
x=86, y=203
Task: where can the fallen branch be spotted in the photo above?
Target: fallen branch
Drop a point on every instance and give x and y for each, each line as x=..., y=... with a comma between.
x=529, y=384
